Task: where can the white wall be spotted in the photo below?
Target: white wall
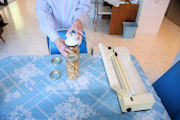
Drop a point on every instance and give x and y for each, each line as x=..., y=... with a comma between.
x=139, y=11
x=150, y=16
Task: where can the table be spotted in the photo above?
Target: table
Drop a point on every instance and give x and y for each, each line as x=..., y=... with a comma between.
x=27, y=92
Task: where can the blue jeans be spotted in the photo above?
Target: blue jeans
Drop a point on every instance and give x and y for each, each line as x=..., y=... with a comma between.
x=53, y=49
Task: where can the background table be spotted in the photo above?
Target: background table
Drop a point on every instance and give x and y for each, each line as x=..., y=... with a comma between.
x=27, y=92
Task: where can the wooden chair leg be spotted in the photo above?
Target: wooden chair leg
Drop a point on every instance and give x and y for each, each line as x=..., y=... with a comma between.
x=2, y=39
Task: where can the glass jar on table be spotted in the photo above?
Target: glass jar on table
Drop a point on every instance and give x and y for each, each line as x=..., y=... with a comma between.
x=72, y=43
x=72, y=65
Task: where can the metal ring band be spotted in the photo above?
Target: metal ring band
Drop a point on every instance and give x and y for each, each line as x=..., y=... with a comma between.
x=53, y=73
x=56, y=60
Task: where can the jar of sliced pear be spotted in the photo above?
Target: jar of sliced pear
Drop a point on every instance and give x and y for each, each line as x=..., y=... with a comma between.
x=72, y=66
x=75, y=49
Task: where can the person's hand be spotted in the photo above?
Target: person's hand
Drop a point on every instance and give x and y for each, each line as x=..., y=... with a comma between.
x=60, y=44
x=77, y=26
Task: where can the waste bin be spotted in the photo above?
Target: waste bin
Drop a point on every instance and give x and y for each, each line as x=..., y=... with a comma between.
x=129, y=29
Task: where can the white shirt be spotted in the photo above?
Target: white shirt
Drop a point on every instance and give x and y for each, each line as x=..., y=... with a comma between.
x=60, y=14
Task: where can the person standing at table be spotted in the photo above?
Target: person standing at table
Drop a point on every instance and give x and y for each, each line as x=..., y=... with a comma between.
x=62, y=14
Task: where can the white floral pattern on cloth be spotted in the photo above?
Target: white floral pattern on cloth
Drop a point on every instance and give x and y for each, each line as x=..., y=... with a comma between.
x=73, y=109
x=10, y=96
x=50, y=88
x=76, y=85
x=33, y=58
x=62, y=86
x=149, y=115
x=18, y=114
x=36, y=58
x=79, y=84
x=26, y=72
x=53, y=88
x=103, y=118
x=15, y=58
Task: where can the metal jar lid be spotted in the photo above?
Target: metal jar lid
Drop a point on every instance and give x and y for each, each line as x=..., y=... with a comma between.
x=55, y=75
x=72, y=57
x=72, y=47
x=56, y=60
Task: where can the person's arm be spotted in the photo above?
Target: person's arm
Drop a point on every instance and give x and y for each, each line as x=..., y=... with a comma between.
x=47, y=23
x=48, y=26
x=82, y=11
x=80, y=18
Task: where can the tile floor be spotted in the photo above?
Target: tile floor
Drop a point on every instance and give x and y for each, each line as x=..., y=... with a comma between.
x=23, y=37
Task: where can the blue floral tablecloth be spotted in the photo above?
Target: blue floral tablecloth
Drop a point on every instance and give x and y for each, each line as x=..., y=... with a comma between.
x=27, y=92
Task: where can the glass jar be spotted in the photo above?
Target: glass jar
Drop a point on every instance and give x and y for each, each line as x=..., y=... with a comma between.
x=72, y=66
x=75, y=49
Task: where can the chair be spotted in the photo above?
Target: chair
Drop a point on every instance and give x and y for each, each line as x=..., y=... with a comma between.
x=104, y=10
x=168, y=89
x=1, y=31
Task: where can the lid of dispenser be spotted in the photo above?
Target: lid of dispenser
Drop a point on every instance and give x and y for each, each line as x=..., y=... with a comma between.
x=71, y=40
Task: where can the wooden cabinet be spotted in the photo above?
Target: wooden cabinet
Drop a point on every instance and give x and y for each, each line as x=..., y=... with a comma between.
x=123, y=13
